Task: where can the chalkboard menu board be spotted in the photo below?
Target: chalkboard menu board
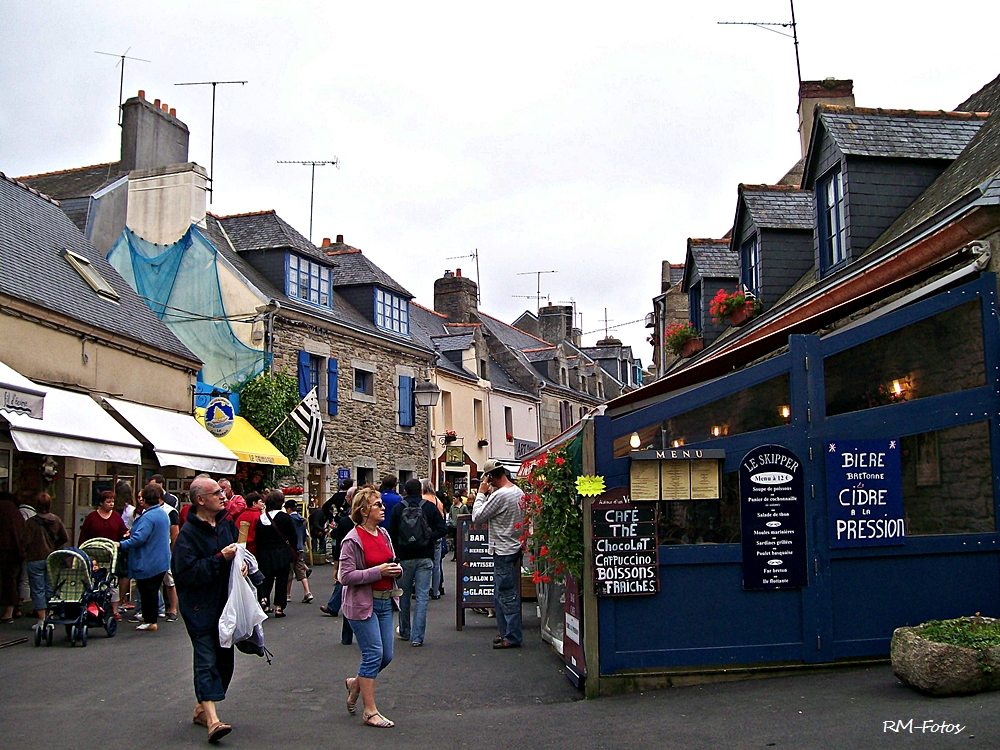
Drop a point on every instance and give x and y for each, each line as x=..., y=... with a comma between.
x=626, y=558
x=772, y=510
x=864, y=489
x=474, y=566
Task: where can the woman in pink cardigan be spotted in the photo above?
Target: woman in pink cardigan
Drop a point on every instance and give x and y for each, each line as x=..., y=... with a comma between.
x=368, y=571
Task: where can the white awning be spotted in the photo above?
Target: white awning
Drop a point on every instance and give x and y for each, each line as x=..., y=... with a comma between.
x=177, y=439
x=18, y=395
x=74, y=425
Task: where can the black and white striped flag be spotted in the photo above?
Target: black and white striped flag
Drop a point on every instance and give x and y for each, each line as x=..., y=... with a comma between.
x=307, y=416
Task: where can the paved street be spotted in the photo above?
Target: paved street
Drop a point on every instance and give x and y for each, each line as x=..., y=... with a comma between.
x=455, y=692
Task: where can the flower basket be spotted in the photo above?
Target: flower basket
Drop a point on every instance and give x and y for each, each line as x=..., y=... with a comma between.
x=692, y=346
x=450, y=436
x=740, y=316
x=677, y=335
x=483, y=443
x=733, y=309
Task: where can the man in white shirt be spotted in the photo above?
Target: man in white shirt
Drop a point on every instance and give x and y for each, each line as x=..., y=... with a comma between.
x=499, y=503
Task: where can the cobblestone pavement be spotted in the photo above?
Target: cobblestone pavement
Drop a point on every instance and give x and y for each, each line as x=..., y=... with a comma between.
x=456, y=692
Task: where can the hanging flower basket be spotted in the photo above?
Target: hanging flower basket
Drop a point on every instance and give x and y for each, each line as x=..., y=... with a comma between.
x=677, y=335
x=450, y=436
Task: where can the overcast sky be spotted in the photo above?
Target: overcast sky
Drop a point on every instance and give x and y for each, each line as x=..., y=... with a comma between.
x=587, y=139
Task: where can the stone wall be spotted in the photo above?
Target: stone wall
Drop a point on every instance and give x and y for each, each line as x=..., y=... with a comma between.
x=364, y=431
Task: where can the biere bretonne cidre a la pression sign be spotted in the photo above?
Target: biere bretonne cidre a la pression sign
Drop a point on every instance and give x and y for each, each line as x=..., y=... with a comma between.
x=772, y=512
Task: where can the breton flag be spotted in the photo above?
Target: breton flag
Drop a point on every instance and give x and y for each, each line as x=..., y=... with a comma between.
x=307, y=416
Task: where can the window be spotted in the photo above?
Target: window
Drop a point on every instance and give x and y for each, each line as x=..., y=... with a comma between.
x=694, y=305
x=407, y=402
x=446, y=410
x=831, y=225
x=508, y=423
x=563, y=377
x=89, y=274
x=308, y=281
x=483, y=372
x=477, y=416
x=750, y=265
x=392, y=312
x=311, y=369
x=363, y=382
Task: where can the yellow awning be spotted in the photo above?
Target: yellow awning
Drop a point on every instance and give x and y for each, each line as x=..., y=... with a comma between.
x=248, y=444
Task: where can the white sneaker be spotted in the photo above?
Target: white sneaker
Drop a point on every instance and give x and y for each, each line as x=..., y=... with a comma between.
x=148, y=626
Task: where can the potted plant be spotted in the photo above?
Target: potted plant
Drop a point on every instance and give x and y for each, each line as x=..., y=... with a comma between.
x=734, y=309
x=949, y=657
x=450, y=436
x=483, y=443
x=682, y=339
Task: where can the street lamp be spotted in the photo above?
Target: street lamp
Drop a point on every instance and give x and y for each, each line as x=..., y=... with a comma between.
x=426, y=394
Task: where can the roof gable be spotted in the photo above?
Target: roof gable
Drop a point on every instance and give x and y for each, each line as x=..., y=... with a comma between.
x=709, y=259
x=73, y=183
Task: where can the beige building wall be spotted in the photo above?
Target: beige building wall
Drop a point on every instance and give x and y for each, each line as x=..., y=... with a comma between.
x=462, y=397
x=524, y=414
x=164, y=202
x=238, y=299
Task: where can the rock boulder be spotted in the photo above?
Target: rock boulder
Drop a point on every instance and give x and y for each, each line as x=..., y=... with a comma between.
x=942, y=668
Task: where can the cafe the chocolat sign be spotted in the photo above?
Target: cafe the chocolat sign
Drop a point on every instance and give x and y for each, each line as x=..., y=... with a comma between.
x=626, y=558
x=772, y=510
x=864, y=490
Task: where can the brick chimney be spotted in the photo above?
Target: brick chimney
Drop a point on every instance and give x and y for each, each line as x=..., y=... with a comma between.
x=814, y=93
x=555, y=323
x=456, y=296
x=151, y=136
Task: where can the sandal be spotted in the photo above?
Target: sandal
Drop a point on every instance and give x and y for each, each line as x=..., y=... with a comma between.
x=506, y=644
x=352, y=706
x=382, y=723
x=498, y=639
x=217, y=731
x=199, y=716
x=279, y=612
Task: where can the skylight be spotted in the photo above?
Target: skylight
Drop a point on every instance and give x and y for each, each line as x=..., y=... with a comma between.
x=90, y=275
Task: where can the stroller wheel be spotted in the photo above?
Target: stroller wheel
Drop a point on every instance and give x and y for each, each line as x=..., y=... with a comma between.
x=83, y=636
x=49, y=630
x=72, y=635
x=110, y=626
x=38, y=637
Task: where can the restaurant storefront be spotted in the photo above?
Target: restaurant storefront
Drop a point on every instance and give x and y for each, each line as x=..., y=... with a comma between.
x=921, y=379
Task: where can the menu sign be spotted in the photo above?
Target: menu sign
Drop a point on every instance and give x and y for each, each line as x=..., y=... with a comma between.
x=864, y=489
x=772, y=510
x=473, y=569
x=676, y=479
x=626, y=558
x=644, y=480
x=705, y=480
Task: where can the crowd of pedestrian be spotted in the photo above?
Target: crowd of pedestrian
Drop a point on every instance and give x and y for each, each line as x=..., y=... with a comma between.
x=386, y=549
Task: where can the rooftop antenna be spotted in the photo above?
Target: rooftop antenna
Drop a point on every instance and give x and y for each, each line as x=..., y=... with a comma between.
x=794, y=36
x=538, y=286
x=606, y=321
x=211, y=158
x=474, y=254
x=312, y=189
x=121, y=85
x=577, y=316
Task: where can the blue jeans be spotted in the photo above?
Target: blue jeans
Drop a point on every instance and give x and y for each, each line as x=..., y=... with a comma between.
x=436, y=576
x=213, y=667
x=507, y=595
x=38, y=583
x=417, y=578
x=346, y=634
x=374, y=636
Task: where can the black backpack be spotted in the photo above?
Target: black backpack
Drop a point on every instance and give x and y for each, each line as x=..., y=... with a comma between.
x=414, y=531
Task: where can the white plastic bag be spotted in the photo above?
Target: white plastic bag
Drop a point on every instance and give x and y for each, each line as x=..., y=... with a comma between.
x=242, y=613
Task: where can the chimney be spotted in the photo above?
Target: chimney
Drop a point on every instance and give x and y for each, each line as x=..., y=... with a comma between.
x=814, y=93
x=151, y=136
x=326, y=242
x=340, y=239
x=455, y=296
x=555, y=323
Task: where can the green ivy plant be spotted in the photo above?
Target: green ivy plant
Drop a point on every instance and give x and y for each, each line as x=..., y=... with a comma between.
x=264, y=402
x=552, y=529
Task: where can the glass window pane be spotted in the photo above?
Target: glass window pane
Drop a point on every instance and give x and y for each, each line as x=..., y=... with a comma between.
x=941, y=354
x=948, y=481
x=703, y=521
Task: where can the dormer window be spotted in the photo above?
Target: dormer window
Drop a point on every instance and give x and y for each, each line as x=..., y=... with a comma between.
x=89, y=274
x=750, y=266
x=694, y=305
x=308, y=281
x=392, y=312
x=831, y=226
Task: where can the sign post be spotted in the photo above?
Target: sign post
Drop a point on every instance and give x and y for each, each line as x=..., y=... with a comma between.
x=772, y=512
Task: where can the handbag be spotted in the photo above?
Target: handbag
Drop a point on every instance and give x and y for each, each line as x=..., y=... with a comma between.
x=295, y=551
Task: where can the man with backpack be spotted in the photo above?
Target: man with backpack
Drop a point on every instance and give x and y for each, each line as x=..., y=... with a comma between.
x=415, y=526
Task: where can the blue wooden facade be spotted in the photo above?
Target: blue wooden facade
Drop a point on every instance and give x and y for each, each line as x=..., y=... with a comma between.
x=855, y=597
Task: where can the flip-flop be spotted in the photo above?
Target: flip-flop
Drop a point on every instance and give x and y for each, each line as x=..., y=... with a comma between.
x=352, y=707
x=382, y=723
x=217, y=731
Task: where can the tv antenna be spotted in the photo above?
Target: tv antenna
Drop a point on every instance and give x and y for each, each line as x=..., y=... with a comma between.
x=577, y=316
x=773, y=27
x=475, y=255
x=312, y=189
x=606, y=321
x=538, y=286
x=121, y=85
x=211, y=158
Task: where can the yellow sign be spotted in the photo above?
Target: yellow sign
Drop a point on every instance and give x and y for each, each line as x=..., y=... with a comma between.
x=676, y=479
x=590, y=486
x=705, y=480
x=644, y=480
x=454, y=455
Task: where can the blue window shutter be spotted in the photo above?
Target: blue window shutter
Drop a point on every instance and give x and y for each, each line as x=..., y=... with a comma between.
x=331, y=386
x=405, y=401
x=304, y=386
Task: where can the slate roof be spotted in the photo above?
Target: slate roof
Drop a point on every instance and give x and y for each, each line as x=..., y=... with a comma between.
x=354, y=269
x=676, y=273
x=779, y=207
x=713, y=258
x=977, y=167
x=793, y=177
x=987, y=99
x=33, y=231
x=899, y=133
x=502, y=380
x=453, y=342
x=73, y=183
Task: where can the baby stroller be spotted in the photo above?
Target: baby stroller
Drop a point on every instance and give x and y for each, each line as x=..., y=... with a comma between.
x=81, y=593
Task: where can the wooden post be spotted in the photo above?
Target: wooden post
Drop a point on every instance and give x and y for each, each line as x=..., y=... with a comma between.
x=591, y=651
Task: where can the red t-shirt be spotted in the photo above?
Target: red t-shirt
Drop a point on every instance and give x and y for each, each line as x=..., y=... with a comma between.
x=376, y=552
x=112, y=527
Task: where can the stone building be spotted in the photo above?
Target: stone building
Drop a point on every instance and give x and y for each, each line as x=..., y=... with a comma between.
x=669, y=306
